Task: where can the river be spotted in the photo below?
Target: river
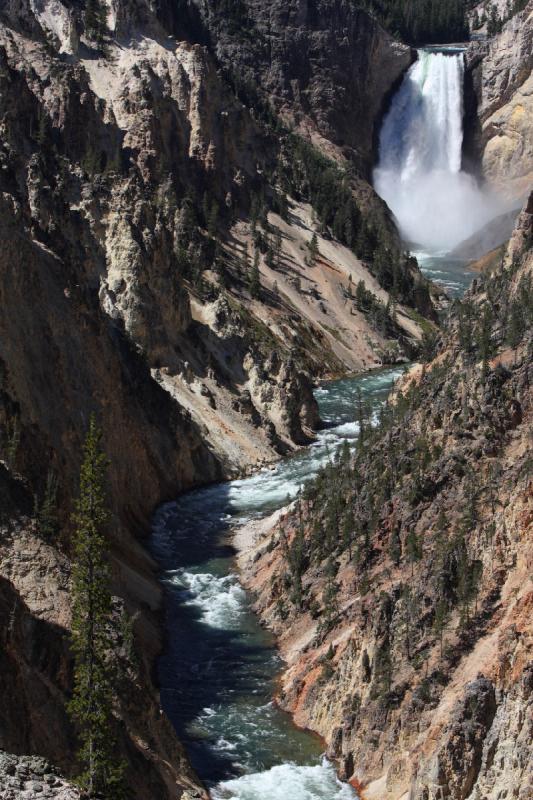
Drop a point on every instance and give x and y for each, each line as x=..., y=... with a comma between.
x=219, y=668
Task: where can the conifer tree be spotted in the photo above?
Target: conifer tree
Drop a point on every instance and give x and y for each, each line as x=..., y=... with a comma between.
x=329, y=595
x=42, y=127
x=515, y=329
x=439, y=621
x=348, y=527
x=255, y=281
x=91, y=703
x=382, y=669
x=12, y=441
x=47, y=513
x=409, y=615
x=484, y=336
x=96, y=20
x=395, y=548
x=313, y=250
x=212, y=219
x=413, y=547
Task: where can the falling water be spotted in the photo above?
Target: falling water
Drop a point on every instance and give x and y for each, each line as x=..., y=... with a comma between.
x=419, y=175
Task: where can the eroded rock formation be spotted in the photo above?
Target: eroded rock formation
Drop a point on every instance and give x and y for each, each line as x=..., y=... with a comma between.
x=501, y=73
x=326, y=66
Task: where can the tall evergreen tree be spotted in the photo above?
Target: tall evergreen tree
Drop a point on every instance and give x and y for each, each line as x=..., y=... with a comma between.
x=255, y=278
x=91, y=702
x=413, y=547
x=439, y=621
x=47, y=512
x=96, y=20
x=313, y=250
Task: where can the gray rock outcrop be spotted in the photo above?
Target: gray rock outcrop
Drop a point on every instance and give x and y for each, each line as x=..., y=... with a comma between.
x=501, y=70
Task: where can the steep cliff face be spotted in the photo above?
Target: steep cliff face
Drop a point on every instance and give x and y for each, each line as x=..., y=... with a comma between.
x=326, y=66
x=500, y=70
x=115, y=158
x=36, y=664
x=113, y=233
x=400, y=583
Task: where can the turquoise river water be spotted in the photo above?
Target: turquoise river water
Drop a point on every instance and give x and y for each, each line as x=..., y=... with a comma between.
x=219, y=668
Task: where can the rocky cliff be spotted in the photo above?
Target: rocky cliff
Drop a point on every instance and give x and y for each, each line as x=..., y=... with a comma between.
x=327, y=67
x=399, y=584
x=26, y=777
x=500, y=73
x=159, y=268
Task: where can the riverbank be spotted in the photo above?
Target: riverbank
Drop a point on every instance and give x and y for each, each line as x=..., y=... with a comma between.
x=399, y=589
x=218, y=689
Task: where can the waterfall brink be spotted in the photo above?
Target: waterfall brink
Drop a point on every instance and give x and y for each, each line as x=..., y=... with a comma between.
x=419, y=172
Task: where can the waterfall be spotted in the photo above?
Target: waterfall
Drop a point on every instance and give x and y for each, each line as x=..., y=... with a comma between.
x=419, y=173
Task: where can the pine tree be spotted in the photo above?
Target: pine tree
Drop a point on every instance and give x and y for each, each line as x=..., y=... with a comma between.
x=484, y=336
x=348, y=528
x=382, y=669
x=90, y=707
x=439, y=621
x=494, y=23
x=395, y=548
x=278, y=243
x=12, y=441
x=212, y=220
x=42, y=127
x=413, y=547
x=409, y=618
x=95, y=20
x=329, y=595
x=516, y=327
x=442, y=527
x=270, y=259
x=255, y=280
x=313, y=250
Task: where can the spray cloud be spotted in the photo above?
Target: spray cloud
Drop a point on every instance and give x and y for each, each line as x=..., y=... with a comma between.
x=419, y=175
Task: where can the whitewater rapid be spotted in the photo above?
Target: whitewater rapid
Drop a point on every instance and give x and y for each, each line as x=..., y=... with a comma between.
x=287, y=782
x=419, y=175
x=219, y=670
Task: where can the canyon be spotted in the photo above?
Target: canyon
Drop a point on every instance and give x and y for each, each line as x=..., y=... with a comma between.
x=408, y=708
x=187, y=213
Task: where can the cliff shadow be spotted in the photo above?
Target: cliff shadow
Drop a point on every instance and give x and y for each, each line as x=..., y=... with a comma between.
x=215, y=654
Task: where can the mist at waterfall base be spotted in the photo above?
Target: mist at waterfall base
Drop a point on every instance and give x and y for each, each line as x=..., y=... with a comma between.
x=436, y=204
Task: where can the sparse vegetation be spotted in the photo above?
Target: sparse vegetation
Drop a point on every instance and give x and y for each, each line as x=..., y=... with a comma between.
x=92, y=699
x=363, y=511
x=422, y=21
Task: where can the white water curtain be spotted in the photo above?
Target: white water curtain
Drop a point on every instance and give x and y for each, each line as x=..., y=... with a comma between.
x=419, y=172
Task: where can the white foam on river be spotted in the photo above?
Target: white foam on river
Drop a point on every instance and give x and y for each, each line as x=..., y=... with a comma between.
x=220, y=600
x=267, y=757
x=287, y=782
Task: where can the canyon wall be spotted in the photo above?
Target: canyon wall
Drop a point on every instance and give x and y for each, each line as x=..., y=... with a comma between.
x=501, y=92
x=327, y=66
x=399, y=584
